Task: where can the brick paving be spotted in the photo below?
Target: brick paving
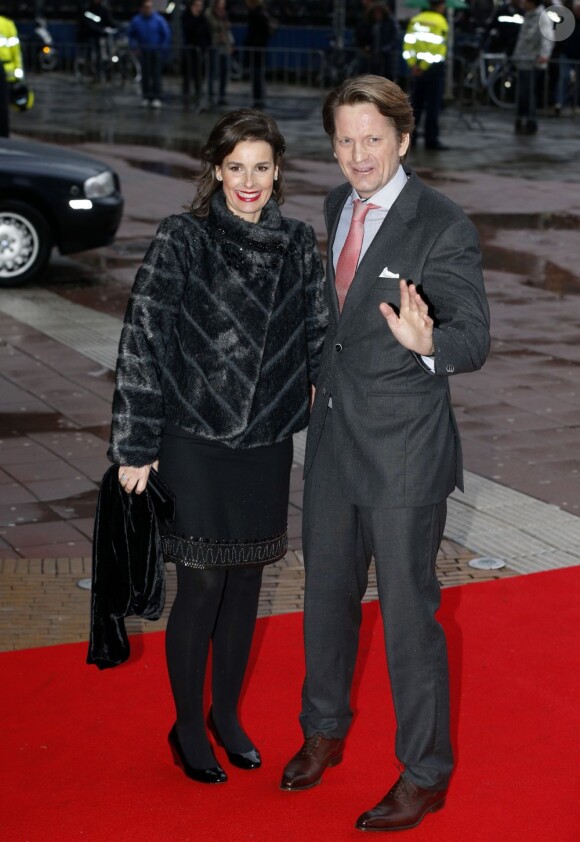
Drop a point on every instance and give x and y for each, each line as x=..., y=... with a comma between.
x=41, y=603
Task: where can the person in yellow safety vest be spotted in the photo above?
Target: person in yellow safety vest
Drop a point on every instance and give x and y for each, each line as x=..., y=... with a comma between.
x=12, y=74
x=10, y=69
x=425, y=51
x=10, y=52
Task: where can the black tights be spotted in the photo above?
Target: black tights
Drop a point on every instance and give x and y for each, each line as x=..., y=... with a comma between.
x=221, y=606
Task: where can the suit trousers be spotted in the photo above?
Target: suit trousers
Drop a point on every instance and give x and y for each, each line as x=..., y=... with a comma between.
x=339, y=540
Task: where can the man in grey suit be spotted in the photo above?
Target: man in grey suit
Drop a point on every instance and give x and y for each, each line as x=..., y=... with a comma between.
x=407, y=310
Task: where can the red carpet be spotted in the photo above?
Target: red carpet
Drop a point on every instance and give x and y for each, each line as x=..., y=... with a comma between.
x=84, y=753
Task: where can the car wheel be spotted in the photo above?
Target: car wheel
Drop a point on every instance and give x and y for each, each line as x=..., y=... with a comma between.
x=25, y=243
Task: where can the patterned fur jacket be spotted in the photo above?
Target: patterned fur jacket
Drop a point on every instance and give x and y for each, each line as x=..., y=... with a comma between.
x=222, y=333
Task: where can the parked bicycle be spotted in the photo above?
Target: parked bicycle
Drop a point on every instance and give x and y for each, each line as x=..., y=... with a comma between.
x=489, y=77
x=108, y=59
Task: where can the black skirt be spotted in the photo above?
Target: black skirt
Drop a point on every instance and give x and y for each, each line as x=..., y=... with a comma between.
x=231, y=504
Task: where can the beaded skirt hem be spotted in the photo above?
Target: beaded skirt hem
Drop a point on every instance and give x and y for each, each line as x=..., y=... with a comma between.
x=207, y=553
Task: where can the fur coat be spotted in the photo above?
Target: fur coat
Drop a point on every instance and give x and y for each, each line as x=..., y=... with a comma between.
x=222, y=334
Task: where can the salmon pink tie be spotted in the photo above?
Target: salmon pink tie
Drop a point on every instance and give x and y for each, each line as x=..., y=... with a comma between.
x=348, y=258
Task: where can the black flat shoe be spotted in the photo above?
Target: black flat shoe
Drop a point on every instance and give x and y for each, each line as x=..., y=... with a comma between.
x=213, y=775
x=244, y=760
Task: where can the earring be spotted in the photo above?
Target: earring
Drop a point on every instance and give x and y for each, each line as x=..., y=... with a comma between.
x=219, y=178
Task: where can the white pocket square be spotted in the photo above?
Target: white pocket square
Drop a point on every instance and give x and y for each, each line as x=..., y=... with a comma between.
x=386, y=273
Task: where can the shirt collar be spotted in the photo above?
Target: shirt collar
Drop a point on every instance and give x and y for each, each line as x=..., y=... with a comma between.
x=386, y=196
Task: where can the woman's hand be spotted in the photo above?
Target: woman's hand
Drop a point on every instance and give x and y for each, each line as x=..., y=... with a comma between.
x=135, y=479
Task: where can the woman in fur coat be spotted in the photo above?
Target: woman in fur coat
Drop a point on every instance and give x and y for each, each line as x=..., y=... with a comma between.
x=218, y=355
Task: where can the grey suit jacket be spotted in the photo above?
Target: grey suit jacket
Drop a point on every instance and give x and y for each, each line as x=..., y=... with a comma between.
x=396, y=438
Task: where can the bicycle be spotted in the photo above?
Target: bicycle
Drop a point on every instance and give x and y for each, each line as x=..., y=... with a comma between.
x=499, y=79
x=488, y=77
x=108, y=59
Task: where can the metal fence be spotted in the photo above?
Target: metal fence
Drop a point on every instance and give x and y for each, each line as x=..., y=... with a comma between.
x=109, y=59
x=487, y=79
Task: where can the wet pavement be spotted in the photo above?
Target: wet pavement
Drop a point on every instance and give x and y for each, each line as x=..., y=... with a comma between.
x=519, y=417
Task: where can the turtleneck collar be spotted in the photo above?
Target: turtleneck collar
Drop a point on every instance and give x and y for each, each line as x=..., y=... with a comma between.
x=266, y=233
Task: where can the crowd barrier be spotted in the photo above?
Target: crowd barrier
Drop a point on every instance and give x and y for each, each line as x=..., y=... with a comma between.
x=487, y=79
x=110, y=60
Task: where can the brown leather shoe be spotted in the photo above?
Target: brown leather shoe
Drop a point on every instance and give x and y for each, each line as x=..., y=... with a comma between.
x=307, y=766
x=404, y=806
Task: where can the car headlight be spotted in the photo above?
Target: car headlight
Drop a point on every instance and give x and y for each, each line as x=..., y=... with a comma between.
x=99, y=186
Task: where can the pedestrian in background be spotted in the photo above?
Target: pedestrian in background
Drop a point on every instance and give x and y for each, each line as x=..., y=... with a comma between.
x=384, y=42
x=11, y=69
x=95, y=22
x=4, y=108
x=258, y=33
x=217, y=357
x=362, y=36
x=568, y=55
x=150, y=36
x=425, y=51
x=196, y=41
x=222, y=42
x=530, y=56
x=502, y=31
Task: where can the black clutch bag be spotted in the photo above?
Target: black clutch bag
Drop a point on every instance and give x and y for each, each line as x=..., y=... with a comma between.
x=128, y=576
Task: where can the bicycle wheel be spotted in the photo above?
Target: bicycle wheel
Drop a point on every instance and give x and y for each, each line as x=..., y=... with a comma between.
x=502, y=86
x=126, y=71
x=85, y=64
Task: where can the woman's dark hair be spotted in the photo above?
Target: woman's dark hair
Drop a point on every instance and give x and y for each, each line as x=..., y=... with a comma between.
x=385, y=95
x=231, y=129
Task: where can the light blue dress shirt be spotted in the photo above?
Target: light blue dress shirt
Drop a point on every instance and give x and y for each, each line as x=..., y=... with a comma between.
x=384, y=198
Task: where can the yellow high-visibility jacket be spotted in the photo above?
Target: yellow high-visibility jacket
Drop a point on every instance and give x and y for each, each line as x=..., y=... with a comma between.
x=10, y=53
x=425, y=42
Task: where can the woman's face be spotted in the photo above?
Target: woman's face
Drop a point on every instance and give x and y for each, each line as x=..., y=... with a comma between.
x=248, y=174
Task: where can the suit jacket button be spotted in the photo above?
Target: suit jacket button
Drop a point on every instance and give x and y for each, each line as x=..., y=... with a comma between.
x=449, y=368
x=324, y=393
x=338, y=347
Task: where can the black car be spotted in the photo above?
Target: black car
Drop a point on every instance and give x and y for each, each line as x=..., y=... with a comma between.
x=52, y=196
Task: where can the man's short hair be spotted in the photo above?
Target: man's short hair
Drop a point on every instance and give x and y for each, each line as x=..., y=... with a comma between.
x=387, y=97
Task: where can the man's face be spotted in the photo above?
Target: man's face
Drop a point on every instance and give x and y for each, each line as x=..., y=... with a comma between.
x=196, y=8
x=147, y=9
x=367, y=147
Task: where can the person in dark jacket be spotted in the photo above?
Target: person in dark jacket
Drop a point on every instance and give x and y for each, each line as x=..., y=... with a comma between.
x=384, y=42
x=222, y=41
x=95, y=22
x=504, y=27
x=530, y=56
x=4, y=109
x=567, y=53
x=196, y=36
x=150, y=37
x=218, y=354
x=258, y=34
